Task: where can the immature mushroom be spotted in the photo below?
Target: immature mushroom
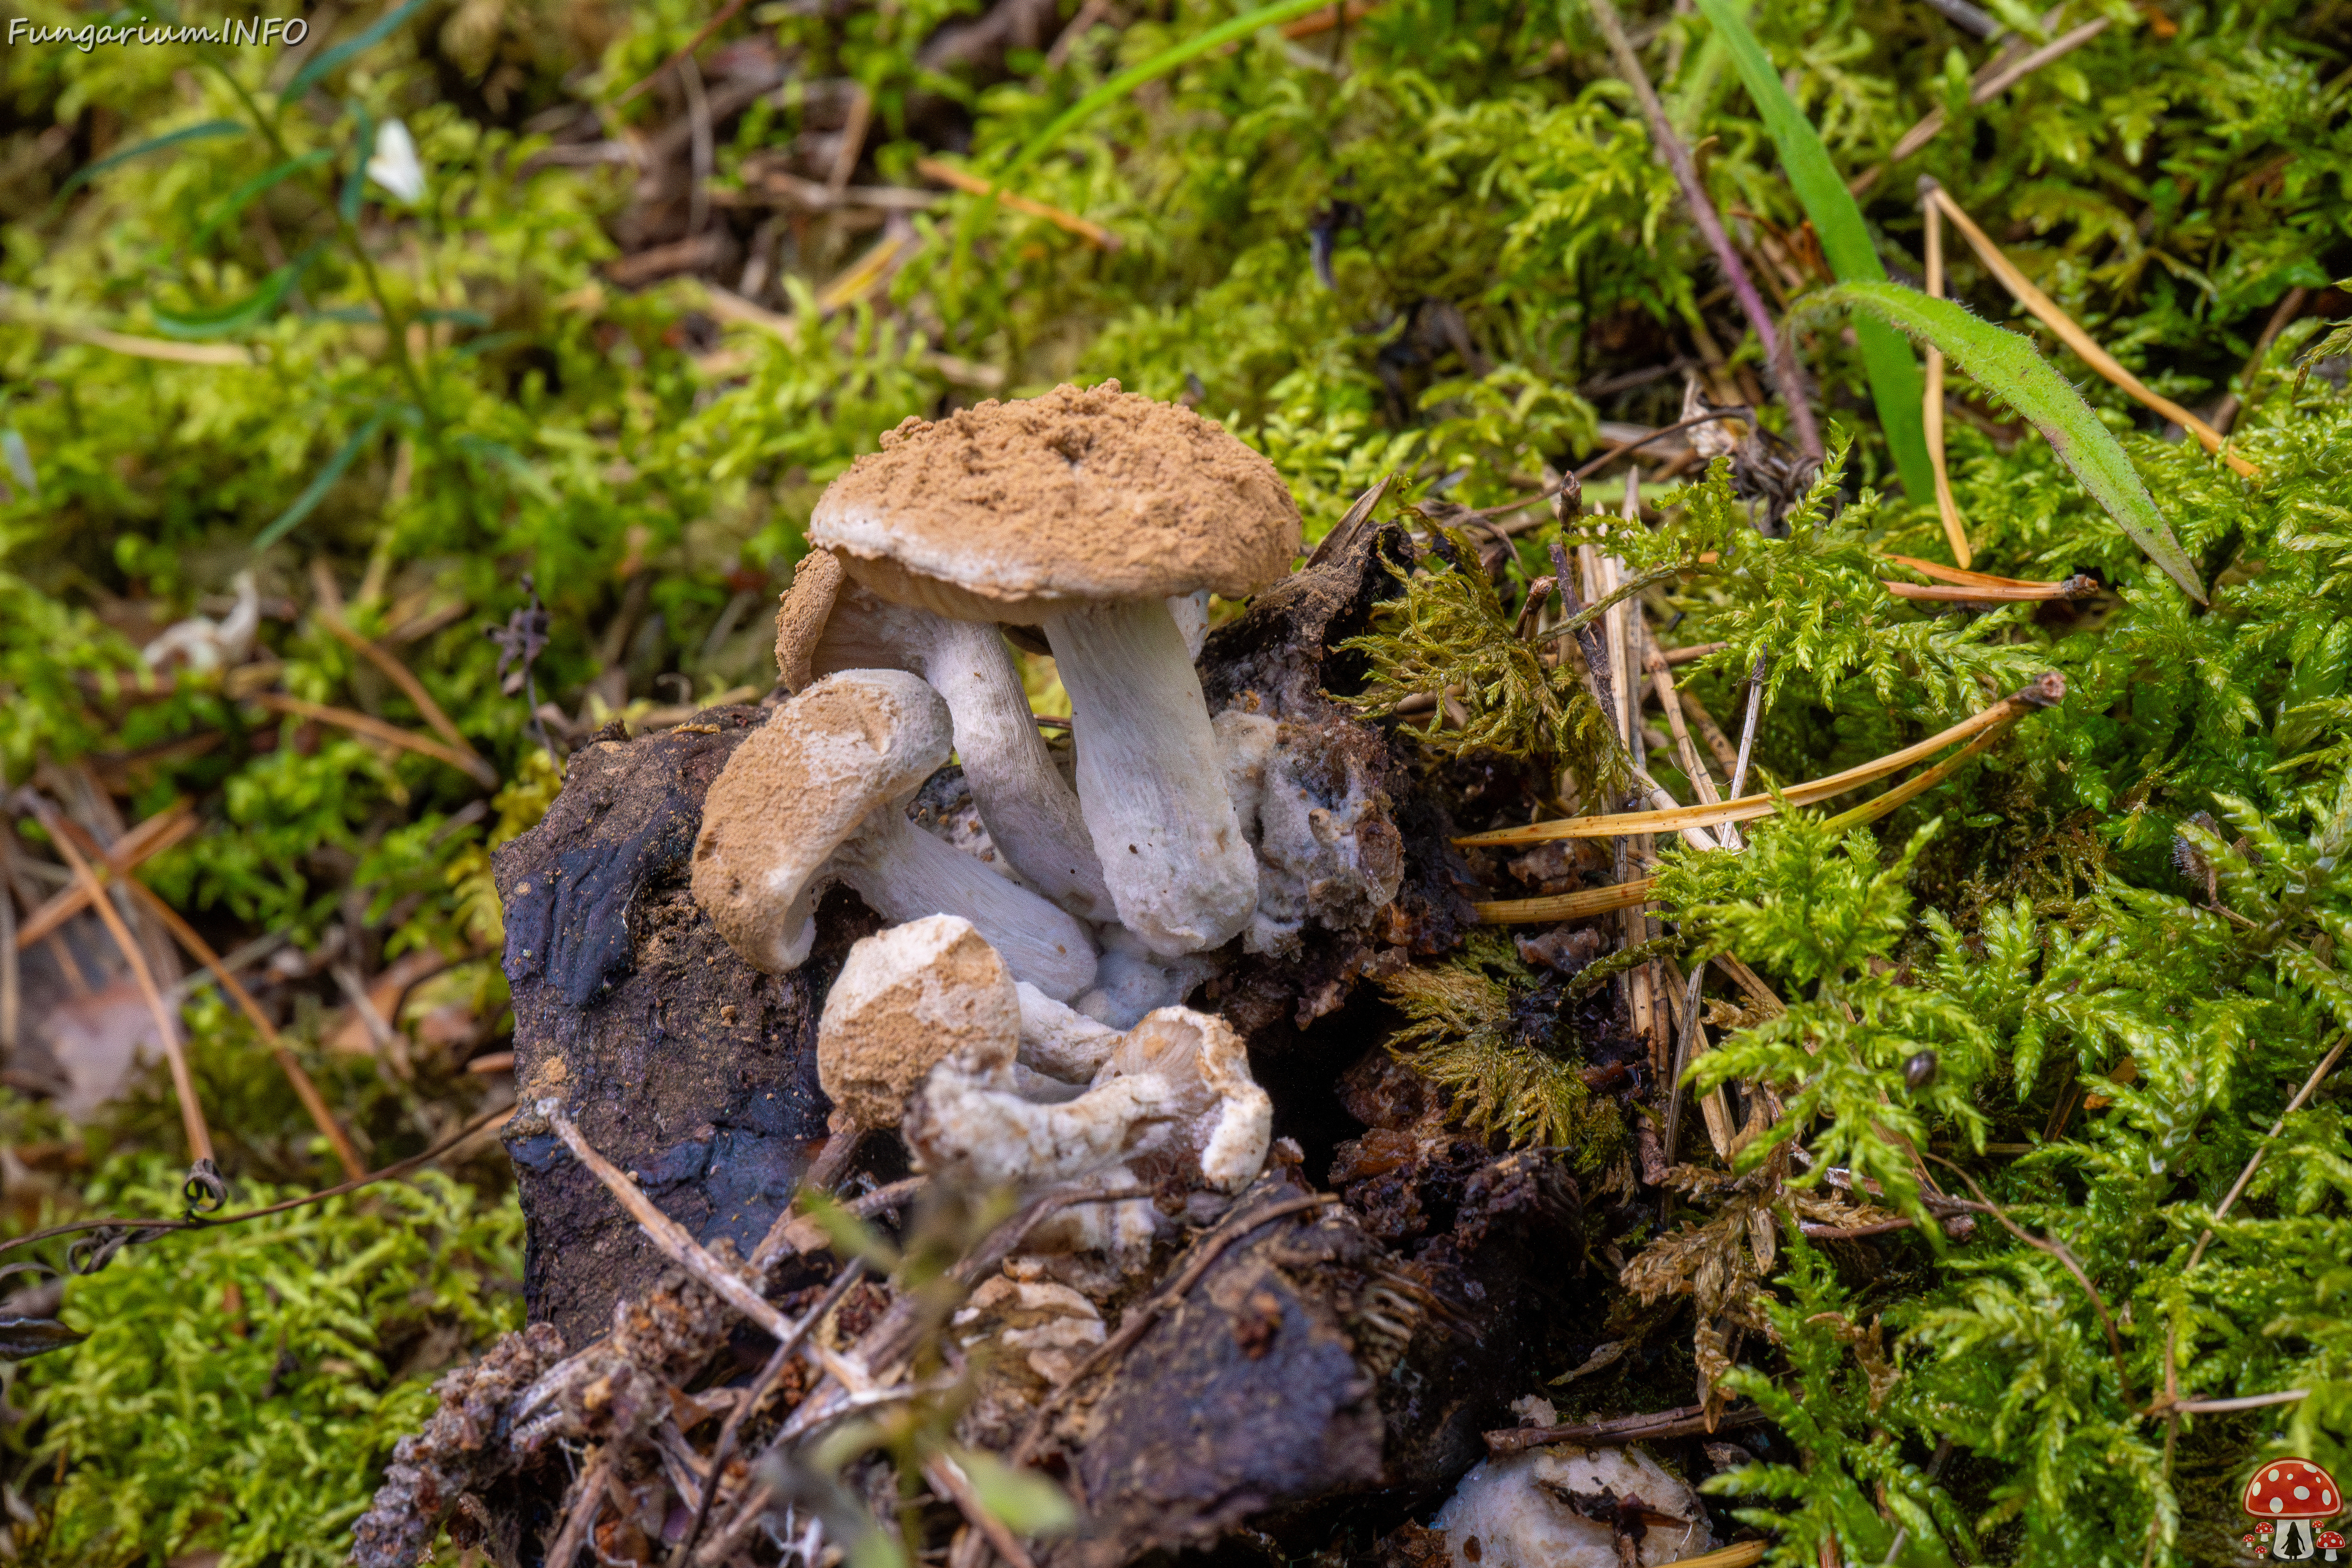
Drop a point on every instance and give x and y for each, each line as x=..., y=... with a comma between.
x=827, y=625
x=817, y=793
x=1083, y=511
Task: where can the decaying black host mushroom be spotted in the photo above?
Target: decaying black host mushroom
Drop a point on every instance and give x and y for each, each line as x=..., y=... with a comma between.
x=1083, y=513
x=817, y=795
x=827, y=625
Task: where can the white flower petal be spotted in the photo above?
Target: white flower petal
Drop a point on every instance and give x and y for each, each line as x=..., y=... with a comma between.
x=395, y=165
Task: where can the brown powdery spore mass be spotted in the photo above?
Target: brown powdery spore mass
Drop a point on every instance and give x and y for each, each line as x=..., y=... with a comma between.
x=1084, y=493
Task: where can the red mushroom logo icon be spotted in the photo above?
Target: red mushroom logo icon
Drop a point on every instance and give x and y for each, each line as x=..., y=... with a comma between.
x=2293, y=1495
x=2330, y=1543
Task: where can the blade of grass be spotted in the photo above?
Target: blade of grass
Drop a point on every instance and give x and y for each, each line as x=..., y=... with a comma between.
x=239, y=199
x=2045, y=309
x=90, y=170
x=321, y=64
x=316, y=490
x=1894, y=384
x=2007, y=365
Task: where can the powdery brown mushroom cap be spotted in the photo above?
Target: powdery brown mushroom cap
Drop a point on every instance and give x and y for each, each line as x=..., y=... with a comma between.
x=907, y=999
x=802, y=615
x=794, y=790
x=2292, y=1489
x=1014, y=510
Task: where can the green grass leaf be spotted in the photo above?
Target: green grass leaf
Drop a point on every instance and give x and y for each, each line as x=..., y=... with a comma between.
x=234, y=318
x=240, y=198
x=316, y=490
x=327, y=62
x=2007, y=365
x=1896, y=384
x=201, y=132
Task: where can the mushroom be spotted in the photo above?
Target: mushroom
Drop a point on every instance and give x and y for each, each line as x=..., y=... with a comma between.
x=2331, y=1541
x=815, y=794
x=1083, y=511
x=826, y=624
x=2292, y=1494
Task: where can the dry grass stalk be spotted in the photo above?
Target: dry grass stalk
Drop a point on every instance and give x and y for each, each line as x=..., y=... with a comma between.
x=2045, y=692
x=1931, y=410
x=2086, y=349
x=151, y=835
x=963, y=180
x=2290, y=306
x=1328, y=19
x=184, y=1084
x=330, y=613
x=371, y=729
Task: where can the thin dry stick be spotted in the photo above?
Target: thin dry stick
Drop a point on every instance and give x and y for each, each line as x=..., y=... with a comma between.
x=2047, y=312
x=726, y=13
x=400, y=675
x=151, y=836
x=183, y=1085
x=1718, y=744
x=793, y=1233
x=943, y=1472
x=1998, y=74
x=305, y=1089
x=788, y=1349
x=666, y=1233
x=586, y=1504
x=1140, y=1318
x=373, y=728
x=1574, y=906
x=1579, y=476
x=1656, y=1425
x=1931, y=410
x=963, y=180
x=2045, y=692
x=853, y=141
x=1670, y=702
x=2225, y=413
x=2075, y=587
x=2059, y=1251
x=1778, y=352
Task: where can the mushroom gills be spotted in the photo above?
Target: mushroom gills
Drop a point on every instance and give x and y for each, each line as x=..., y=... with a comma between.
x=1182, y=874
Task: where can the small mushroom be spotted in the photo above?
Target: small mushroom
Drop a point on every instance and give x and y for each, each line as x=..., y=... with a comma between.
x=827, y=625
x=1084, y=512
x=907, y=999
x=815, y=794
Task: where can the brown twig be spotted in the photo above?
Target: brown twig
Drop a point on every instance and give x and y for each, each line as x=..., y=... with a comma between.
x=1779, y=355
x=1094, y=234
x=2065, y=1257
x=1574, y=906
x=943, y=1472
x=305, y=1088
x=2290, y=306
x=665, y=1232
x=793, y=1233
x=1139, y=1318
x=787, y=1350
x=1688, y=1420
x=1578, y=476
x=1328, y=19
x=400, y=675
x=1998, y=74
x=587, y=1502
x=184, y=1084
x=151, y=836
x=2075, y=587
x=374, y=729
x=726, y=14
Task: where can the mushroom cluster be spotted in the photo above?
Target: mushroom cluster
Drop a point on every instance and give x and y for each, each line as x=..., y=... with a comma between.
x=2294, y=1495
x=1115, y=876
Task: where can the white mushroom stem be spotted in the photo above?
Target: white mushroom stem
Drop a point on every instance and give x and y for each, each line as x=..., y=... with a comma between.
x=906, y=874
x=977, y=1124
x=1030, y=815
x=1150, y=781
x=1061, y=1042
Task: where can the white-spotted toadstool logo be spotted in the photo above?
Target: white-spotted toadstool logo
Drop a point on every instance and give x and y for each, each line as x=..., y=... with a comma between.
x=2293, y=1496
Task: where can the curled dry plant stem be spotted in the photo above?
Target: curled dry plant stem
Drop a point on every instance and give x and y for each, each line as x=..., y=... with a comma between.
x=2065, y=1257
x=587, y=1502
x=183, y=1085
x=1778, y=352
